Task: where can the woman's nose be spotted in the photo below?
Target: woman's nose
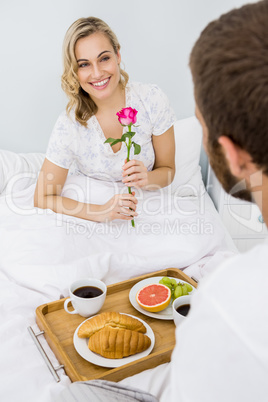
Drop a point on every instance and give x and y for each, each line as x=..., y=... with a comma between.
x=96, y=71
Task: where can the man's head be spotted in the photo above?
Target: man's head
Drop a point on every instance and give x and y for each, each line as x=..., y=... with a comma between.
x=229, y=64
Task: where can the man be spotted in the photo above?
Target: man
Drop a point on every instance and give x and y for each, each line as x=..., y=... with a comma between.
x=221, y=351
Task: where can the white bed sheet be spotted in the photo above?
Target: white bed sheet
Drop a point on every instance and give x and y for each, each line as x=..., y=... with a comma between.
x=43, y=252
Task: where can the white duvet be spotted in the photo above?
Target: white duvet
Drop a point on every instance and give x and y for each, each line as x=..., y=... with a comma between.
x=43, y=252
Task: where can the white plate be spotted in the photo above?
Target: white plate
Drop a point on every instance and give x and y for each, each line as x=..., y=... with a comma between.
x=81, y=347
x=165, y=314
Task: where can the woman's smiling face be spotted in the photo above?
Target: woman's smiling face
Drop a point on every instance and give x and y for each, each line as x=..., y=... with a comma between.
x=98, y=66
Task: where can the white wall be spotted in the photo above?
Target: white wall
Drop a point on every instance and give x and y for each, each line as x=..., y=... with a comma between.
x=156, y=38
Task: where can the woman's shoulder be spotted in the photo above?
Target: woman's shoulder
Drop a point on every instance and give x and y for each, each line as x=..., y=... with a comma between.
x=67, y=118
x=148, y=92
x=151, y=96
x=141, y=87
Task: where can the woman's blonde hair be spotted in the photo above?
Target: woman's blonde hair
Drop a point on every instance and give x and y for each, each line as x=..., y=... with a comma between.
x=80, y=100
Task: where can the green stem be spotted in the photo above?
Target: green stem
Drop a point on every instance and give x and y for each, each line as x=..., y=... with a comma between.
x=128, y=150
x=128, y=153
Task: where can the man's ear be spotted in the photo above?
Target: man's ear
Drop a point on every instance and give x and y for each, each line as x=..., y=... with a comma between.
x=240, y=162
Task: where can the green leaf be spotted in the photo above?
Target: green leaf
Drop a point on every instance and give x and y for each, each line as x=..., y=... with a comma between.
x=127, y=135
x=112, y=141
x=109, y=140
x=116, y=142
x=137, y=148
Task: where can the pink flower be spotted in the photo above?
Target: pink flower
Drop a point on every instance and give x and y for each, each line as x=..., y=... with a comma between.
x=127, y=116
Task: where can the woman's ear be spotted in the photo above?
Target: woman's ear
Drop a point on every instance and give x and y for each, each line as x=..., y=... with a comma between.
x=240, y=162
x=118, y=57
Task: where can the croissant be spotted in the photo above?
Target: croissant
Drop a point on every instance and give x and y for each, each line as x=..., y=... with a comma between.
x=116, y=343
x=111, y=318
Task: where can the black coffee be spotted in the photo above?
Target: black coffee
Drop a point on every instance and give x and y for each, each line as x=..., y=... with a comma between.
x=184, y=309
x=87, y=292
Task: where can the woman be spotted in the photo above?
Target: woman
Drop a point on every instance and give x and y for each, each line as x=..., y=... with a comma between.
x=97, y=89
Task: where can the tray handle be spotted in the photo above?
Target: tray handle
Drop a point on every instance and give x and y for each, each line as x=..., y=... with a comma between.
x=52, y=369
x=194, y=279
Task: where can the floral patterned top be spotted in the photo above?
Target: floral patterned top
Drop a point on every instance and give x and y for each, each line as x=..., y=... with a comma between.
x=72, y=145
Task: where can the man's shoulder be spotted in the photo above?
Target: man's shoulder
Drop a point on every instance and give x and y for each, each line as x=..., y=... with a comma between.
x=254, y=259
x=237, y=271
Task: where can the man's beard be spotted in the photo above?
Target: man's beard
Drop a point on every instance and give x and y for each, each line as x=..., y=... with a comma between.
x=230, y=183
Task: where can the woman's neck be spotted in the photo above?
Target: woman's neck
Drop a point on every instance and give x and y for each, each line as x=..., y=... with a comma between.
x=115, y=102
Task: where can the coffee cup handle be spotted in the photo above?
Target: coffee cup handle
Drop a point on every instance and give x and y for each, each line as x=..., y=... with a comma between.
x=67, y=301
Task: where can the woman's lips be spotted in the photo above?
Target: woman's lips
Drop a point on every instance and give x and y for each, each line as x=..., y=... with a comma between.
x=100, y=84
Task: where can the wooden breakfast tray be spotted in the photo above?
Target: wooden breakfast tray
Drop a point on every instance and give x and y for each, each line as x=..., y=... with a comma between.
x=59, y=327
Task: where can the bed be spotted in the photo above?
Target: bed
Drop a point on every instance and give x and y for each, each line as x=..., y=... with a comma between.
x=43, y=252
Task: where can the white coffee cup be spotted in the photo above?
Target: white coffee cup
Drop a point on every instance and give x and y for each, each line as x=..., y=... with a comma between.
x=86, y=307
x=180, y=301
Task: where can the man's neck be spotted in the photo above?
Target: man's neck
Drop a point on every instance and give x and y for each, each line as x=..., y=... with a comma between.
x=259, y=188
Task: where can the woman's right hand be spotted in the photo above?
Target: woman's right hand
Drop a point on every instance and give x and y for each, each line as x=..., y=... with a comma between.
x=120, y=206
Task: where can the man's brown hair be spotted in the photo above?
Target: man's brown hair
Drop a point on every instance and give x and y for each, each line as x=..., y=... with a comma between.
x=229, y=64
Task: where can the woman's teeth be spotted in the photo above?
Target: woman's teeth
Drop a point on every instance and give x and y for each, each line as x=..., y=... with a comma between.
x=100, y=83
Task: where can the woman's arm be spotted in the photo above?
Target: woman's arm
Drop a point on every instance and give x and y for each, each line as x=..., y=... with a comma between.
x=135, y=173
x=48, y=196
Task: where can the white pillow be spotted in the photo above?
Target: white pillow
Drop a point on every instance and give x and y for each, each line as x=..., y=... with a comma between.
x=19, y=170
x=188, y=138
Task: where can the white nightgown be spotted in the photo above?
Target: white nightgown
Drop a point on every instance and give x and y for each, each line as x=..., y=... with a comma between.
x=169, y=231
x=83, y=148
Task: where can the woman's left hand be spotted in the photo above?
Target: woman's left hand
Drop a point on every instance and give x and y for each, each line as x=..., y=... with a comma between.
x=135, y=174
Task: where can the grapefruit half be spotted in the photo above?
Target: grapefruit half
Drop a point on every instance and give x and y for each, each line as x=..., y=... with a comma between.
x=154, y=297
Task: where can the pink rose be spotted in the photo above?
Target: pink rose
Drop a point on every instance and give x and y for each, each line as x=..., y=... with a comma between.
x=127, y=116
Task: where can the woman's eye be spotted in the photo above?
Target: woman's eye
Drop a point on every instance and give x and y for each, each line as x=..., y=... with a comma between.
x=105, y=58
x=83, y=65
